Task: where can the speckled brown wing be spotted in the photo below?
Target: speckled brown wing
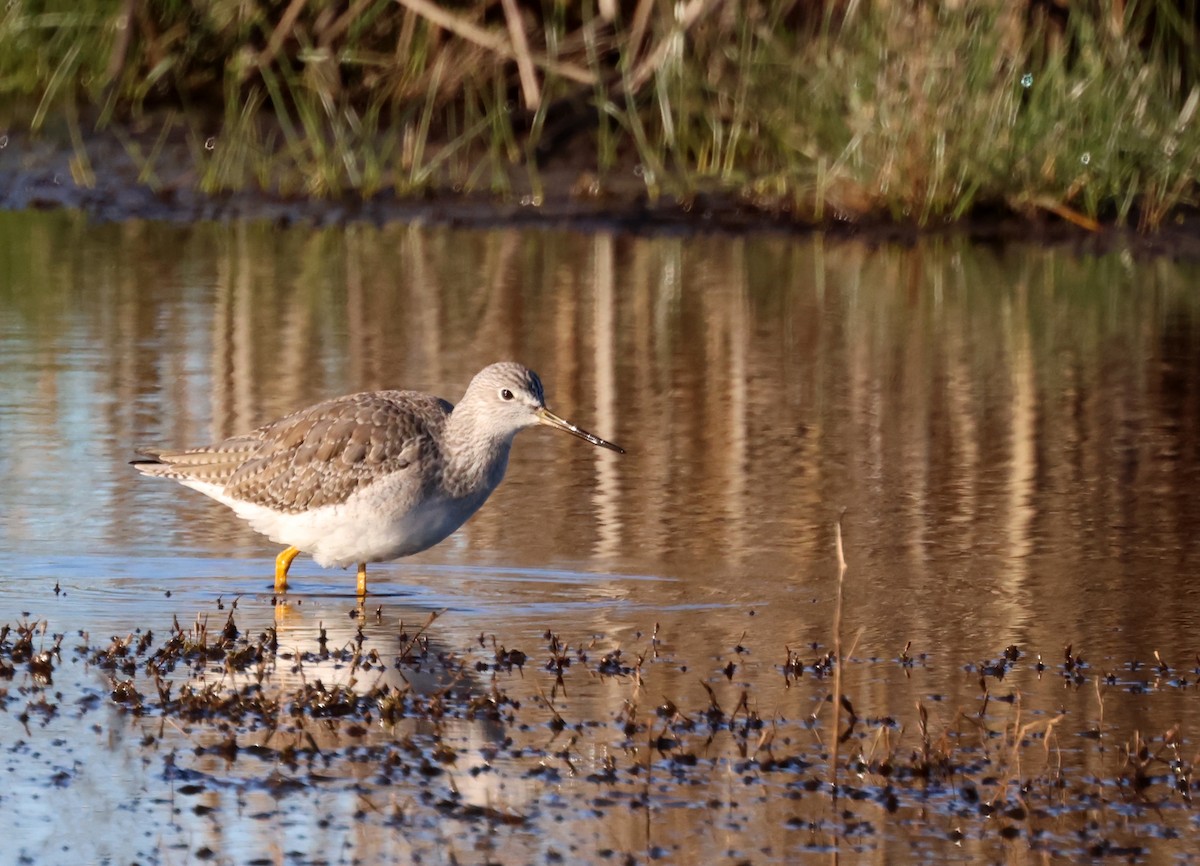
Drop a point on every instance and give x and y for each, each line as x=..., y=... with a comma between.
x=323, y=454
x=319, y=455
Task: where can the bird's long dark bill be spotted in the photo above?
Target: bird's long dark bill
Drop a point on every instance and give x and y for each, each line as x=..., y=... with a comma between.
x=551, y=420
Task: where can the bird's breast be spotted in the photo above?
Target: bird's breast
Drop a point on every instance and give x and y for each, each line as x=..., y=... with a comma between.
x=428, y=524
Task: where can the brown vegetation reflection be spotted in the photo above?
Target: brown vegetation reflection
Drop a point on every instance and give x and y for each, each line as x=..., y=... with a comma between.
x=1012, y=433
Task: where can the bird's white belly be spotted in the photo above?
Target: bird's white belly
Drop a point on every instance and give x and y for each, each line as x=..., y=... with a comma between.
x=364, y=528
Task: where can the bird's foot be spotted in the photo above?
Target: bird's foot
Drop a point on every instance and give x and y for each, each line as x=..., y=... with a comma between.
x=282, y=563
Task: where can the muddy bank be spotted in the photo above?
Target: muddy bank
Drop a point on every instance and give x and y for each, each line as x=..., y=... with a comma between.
x=45, y=173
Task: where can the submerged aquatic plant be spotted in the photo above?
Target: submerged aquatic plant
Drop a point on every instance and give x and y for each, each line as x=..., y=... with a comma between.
x=217, y=705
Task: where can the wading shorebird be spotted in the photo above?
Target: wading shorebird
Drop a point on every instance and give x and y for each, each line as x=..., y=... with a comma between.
x=369, y=477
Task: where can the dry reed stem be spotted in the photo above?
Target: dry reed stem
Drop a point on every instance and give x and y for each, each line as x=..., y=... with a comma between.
x=520, y=45
x=637, y=29
x=688, y=16
x=120, y=49
x=837, y=666
x=464, y=29
x=342, y=24
x=412, y=642
x=1069, y=214
x=280, y=33
x=1014, y=769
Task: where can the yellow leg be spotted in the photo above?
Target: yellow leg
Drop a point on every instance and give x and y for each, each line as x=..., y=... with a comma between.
x=362, y=579
x=282, y=563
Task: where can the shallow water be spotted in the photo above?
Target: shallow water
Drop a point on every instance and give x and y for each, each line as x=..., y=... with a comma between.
x=1008, y=435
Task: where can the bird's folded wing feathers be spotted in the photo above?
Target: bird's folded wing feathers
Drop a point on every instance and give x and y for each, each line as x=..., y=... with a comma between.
x=319, y=455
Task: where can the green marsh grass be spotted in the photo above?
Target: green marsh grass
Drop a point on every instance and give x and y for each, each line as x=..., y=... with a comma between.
x=917, y=112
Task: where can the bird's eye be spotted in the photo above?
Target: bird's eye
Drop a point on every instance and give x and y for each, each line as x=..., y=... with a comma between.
x=506, y=394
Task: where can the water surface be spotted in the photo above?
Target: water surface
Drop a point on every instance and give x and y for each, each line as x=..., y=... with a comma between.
x=1008, y=435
